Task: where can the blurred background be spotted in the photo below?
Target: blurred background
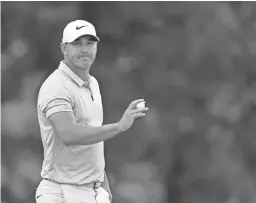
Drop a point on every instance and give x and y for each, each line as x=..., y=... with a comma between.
x=194, y=64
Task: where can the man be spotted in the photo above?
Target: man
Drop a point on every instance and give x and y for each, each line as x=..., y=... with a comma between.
x=70, y=117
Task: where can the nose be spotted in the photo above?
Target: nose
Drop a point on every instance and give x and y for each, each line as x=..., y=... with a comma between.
x=84, y=51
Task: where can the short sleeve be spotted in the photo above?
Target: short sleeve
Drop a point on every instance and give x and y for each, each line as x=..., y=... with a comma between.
x=54, y=99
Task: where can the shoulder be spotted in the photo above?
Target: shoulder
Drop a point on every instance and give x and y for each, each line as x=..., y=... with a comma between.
x=54, y=86
x=94, y=81
x=54, y=81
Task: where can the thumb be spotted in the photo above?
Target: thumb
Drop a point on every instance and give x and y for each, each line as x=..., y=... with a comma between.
x=134, y=103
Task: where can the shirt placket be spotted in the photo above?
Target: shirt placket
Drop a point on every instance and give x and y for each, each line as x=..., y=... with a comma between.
x=87, y=85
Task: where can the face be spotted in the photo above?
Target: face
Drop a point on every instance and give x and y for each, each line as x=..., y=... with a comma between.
x=81, y=53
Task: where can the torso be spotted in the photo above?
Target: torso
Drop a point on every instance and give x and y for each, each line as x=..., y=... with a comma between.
x=71, y=164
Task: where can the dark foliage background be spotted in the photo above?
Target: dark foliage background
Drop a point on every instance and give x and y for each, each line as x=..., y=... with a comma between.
x=194, y=64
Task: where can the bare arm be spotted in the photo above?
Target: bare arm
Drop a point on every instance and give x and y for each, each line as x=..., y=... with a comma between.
x=73, y=133
x=106, y=186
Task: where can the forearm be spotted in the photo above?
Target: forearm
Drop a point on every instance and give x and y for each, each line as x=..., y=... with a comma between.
x=106, y=183
x=78, y=134
x=106, y=186
x=73, y=133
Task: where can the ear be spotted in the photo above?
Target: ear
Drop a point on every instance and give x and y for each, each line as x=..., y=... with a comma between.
x=63, y=48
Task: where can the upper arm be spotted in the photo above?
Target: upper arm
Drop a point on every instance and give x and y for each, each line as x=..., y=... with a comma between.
x=62, y=123
x=55, y=102
x=54, y=98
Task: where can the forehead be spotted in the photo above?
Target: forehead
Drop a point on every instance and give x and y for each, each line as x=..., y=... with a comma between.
x=86, y=38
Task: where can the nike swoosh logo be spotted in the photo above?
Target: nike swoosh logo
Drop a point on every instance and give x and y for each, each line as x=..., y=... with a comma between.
x=79, y=27
x=38, y=196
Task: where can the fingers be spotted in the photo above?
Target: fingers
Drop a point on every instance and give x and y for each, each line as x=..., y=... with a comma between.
x=140, y=110
x=134, y=103
x=138, y=115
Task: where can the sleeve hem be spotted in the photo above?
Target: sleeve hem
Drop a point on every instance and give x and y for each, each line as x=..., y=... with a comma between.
x=51, y=112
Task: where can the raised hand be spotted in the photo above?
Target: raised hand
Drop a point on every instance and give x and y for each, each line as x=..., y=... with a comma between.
x=132, y=113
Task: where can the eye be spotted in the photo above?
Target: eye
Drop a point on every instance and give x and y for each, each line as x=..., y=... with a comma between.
x=90, y=42
x=76, y=43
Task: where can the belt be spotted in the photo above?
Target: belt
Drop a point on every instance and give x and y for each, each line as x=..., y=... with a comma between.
x=93, y=185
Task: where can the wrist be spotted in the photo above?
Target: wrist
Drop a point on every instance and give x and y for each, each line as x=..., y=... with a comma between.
x=119, y=127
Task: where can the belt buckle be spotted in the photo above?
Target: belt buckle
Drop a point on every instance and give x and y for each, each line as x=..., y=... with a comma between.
x=96, y=185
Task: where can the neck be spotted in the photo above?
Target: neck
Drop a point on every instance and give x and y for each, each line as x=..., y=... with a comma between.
x=83, y=74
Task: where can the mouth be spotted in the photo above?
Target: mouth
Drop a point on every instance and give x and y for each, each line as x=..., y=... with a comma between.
x=85, y=57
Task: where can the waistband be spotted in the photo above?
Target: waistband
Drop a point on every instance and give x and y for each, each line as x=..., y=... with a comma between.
x=93, y=185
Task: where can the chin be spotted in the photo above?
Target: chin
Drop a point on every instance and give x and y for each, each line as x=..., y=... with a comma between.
x=85, y=66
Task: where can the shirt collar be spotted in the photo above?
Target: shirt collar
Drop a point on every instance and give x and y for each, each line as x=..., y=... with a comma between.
x=63, y=67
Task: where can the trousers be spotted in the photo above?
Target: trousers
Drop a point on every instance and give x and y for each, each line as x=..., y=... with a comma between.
x=51, y=192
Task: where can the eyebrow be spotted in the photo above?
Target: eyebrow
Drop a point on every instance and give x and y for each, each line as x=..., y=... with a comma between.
x=89, y=39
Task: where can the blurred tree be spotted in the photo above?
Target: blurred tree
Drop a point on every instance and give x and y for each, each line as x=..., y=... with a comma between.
x=193, y=62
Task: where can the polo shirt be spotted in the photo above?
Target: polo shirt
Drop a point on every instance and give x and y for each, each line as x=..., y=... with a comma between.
x=64, y=91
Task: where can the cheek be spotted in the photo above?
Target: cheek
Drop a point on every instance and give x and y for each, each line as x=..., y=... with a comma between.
x=94, y=53
x=73, y=56
x=74, y=59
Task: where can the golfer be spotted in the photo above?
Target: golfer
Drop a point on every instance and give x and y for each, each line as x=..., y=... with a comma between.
x=70, y=116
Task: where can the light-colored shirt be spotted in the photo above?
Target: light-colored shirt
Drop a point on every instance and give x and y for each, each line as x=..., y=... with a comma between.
x=64, y=91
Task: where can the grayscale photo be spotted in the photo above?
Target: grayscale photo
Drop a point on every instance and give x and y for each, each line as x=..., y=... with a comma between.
x=128, y=102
